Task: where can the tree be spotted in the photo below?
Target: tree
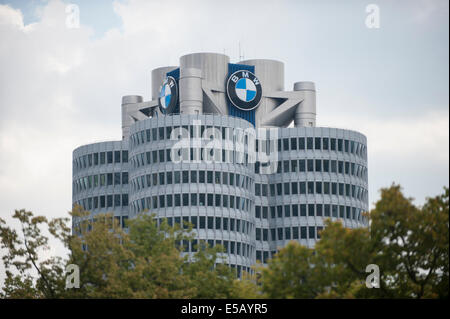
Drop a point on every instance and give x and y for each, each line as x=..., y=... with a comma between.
x=412, y=244
x=143, y=262
x=24, y=257
x=291, y=273
x=409, y=244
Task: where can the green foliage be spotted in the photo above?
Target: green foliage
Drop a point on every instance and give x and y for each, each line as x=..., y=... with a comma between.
x=409, y=244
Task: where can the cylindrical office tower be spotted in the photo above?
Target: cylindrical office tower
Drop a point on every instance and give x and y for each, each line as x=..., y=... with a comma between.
x=215, y=195
x=100, y=179
x=198, y=161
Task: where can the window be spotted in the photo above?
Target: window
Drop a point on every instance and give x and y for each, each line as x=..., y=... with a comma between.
x=218, y=197
x=294, y=165
x=294, y=188
x=301, y=143
x=125, y=156
x=310, y=187
x=217, y=178
x=193, y=176
x=287, y=211
x=295, y=233
x=109, y=179
x=318, y=165
x=302, y=166
x=201, y=199
x=109, y=157
x=280, y=233
x=317, y=143
x=326, y=166
x=319, y=208
x=210, y=200
x=202, y=220
x=312, y=232
x=285, y=144
x=310, y=165
x=109, y=201
x=116, y=156
x=210, y=222
x=310, y=209
x=124, y=177
x=295, y=210
x=116, y=178
x=210, y=177
x=309, y=143
x=293, y=143
x=333, y=144
x=302, y=187
x=286, y=189
x=218, y=222
x=185, y=177
x=327, y=210
x=325, y=143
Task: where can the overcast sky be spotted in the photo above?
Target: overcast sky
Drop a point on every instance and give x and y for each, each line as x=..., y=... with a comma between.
x=61, y=87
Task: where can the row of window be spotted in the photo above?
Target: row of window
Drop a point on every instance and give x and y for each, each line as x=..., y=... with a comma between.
x=212, y=223
x=288, y=233
x=189, y=155
x=100, y=180
x=230, y=247
x=104, y=201
x=101, y=158
x=322, y=143
x=318, y=187
x=180, y=200
x=225, y=133
x=318, y=165
x=190, y=177
x=319, y=210
x=120, y=220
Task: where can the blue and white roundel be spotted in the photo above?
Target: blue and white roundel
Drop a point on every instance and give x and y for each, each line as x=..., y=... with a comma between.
x=245, y=90
x=168, y=95
x=165, y=95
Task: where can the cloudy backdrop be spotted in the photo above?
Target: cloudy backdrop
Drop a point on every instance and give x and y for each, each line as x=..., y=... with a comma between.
x=61, y=87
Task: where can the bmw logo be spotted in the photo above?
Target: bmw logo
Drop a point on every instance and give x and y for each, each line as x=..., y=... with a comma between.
x=244, y=90
x=168, y=95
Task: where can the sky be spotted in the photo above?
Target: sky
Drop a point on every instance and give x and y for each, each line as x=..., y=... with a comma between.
x=61, y=86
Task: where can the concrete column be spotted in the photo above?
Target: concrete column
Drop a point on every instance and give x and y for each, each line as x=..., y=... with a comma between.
x=190, y=88
x=127, y=121
x=305, y=114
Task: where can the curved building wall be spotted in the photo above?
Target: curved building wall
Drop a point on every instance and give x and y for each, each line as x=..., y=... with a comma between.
x=320, y=173
x=100, y=179
x=216, y=197
x=317, y=173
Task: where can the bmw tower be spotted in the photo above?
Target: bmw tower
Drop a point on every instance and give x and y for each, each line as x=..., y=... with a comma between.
x=225, y=147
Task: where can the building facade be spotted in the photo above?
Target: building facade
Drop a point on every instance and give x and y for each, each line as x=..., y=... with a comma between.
x=224, y=147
